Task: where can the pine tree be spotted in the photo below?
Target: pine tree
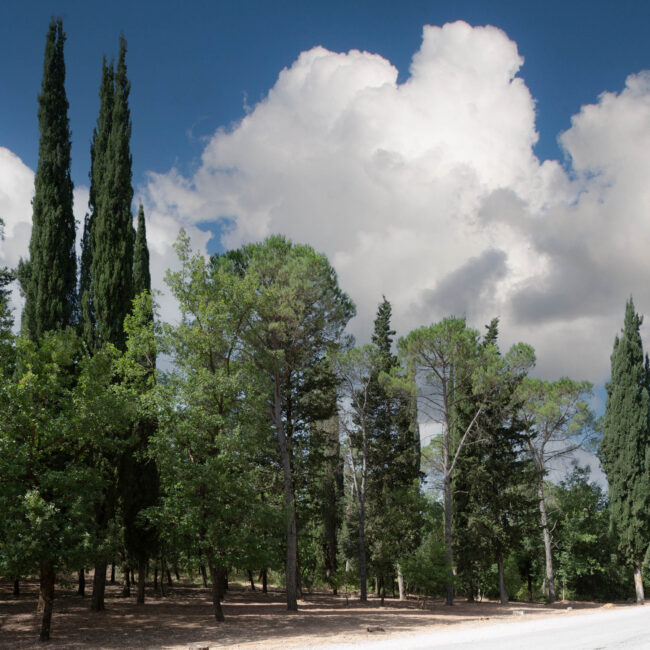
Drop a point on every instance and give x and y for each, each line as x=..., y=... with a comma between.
x=112, y=227
x=625, y=445
x=7, y=351
x=49, y=278
x=96, y=194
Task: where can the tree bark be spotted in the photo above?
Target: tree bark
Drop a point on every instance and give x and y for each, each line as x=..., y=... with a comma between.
x=363, y=569
x=502, y=580
x=250, y=577
x=46, y=597
x=112, y=573
x=289, y=500
x=142, y=572
x=16, y=591
x=126, y=588
x=217, y=591
x=264, y=579
x=204, y=576
x=449, y=554
x=81, y=589
x=400, y=582
x=638, y=583
x=382, y=590
x=99, y=588
x=547, y=542
x=169, y=578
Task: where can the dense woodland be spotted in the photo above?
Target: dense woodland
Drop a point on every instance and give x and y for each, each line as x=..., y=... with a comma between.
x=270, y=445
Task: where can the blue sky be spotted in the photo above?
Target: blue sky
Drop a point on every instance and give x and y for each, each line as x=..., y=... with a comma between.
x=193, y=65
x=422, y=183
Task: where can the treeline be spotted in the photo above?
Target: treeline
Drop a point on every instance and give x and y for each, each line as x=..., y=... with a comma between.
x=269, y=442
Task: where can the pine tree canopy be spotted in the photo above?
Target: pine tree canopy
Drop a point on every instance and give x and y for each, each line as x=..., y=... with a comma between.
x=49, y=278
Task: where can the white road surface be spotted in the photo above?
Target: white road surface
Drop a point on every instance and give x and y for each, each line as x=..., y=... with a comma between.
x=615, y=629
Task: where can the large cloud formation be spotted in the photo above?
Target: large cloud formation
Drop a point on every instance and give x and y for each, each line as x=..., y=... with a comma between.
x=429, y=191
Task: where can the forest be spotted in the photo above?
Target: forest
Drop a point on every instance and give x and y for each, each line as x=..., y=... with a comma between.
x=252, y=436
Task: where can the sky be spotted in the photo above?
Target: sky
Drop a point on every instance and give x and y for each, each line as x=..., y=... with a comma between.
x=468, y=158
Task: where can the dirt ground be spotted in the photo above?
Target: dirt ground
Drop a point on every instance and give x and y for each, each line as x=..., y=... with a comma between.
x=184, y=619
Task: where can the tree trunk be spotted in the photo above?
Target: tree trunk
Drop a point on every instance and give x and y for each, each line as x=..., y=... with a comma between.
x=99, y=588
x=449, y=554
x=46, y=597
x=81, y=589
x=289, y=500
x=217, y=591
x=112, y=573
x=169, y=578
x=638, y=583
x=502, y=579
x=547, y=542
x=16, y=591
x=126, y=588
x=176, y=573
x=204, y=576
x=162, y=576
x=382, y=590
x=142, y=572
x=363, y=570
x=400, y=582
x=155, y=576
x=264, y=579
x=250, y=577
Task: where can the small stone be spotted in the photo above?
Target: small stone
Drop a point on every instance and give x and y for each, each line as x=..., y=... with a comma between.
x=375, y=628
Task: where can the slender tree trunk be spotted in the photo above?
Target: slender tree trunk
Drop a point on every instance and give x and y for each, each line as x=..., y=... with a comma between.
x=132, y=576
x=99, y=588
x=155, y=576
x=449, y=554
x=142, y=572
x=382, y=590
x=547, y=542
x=250, y=577
x=169, y=578
x=178, y=576
x=638, y=583
x=126, y=588
x=217, y=591
x=264, y=579
x=112, y=573
x=204, y=576
x=81, y=581
x=529, y=580
x=289, y=501
x=400, y=582
x=46, y=597
x=502, y=580
x=363, y=569
x=16, y=591
x=162, y=575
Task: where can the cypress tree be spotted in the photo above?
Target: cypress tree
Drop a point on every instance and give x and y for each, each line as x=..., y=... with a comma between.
x=112, y=227
x=111, y=237
x=49, y=278
x=141, y=273
x=97, y=192
x=624, y=448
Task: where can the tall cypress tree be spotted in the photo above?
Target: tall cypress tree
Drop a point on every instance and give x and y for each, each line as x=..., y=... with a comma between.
x=97, y=192
x=141, y=272
x=139, y=478
x=49, y=278
x=111, y=237
x=112, y=227
x=625, y=445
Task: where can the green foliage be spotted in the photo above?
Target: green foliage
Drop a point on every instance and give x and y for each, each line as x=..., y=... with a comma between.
x=141, y=273
x=111, y=228
x=49, y=278
x=588, y=565
x=53, y=415
x=626, y=441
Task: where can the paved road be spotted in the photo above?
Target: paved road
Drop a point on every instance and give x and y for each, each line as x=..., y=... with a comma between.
x=614, y=629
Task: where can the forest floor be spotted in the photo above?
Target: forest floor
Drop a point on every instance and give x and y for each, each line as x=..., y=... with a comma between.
x=184, y=618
